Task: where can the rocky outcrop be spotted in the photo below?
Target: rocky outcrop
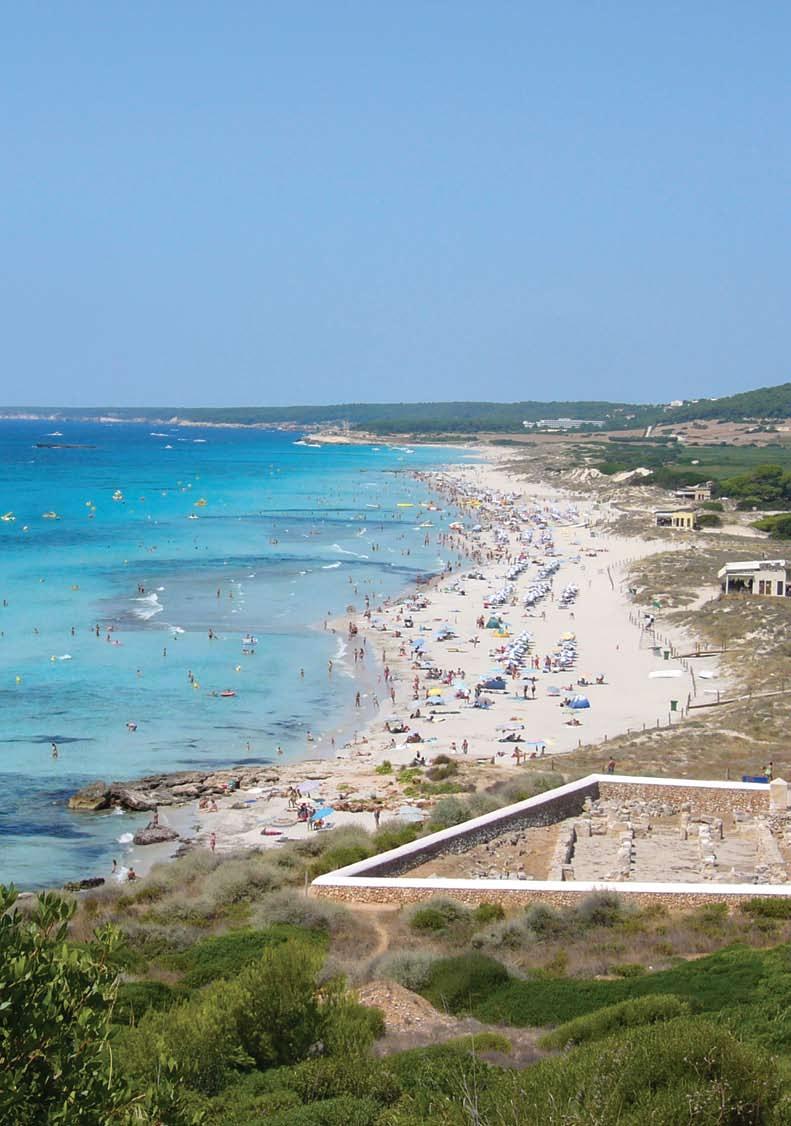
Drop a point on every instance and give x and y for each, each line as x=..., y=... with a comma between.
x=92, y=797
x=134, y=800
x=155, y=834
x=145, y=794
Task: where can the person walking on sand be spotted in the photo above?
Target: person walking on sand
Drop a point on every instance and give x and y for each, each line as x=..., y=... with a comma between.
x=212, y=841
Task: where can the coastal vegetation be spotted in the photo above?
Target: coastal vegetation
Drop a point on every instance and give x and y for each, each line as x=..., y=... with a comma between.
x=463, y=417
x=147, y=1022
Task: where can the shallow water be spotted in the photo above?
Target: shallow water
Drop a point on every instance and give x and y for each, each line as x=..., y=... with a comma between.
x=270, y=554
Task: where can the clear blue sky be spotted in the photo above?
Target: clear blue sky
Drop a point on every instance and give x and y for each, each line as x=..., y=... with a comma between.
x=261, y=203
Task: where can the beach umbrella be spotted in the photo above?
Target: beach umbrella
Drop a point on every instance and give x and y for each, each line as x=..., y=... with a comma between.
x=435, y=691
x=322, y=814
x=580, y=702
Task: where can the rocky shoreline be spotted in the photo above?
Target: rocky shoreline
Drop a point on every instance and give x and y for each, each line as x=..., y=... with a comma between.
x=144, y=795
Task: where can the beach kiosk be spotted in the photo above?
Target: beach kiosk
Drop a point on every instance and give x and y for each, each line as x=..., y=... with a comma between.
x=678, y=518
x=768, y=577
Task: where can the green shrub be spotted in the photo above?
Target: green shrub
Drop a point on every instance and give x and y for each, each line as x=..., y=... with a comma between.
x=385, y=767
x=197, y=1038
x=316, y=1080
x=279, y=1016
x=628, y=969
x=338, y=857
x=546, y=922
x=778, y=527
x=482, y=1042
x=225, y=955
x=343, y=1111
x=459, y=984
x=767, y=907
x=627, y=1014
x=56, y=1004
x=600, y=909
x=709, y=520
x=393, y=834
x=137, y=997
x=679, y=1072
x=410, y=968
x=488, y=913
x=438, y=914
x=510, y=934
x=713, y=506
x=290, y=909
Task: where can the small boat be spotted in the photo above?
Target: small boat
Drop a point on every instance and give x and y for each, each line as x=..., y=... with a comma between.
x=118, y=495
x=8, y=518
x=249, y=640
x=227, y=693
x=193, y=516
x=50, y=516
x=201, y=503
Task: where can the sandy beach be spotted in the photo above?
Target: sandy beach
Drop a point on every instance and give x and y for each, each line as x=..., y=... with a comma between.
x=528, y=647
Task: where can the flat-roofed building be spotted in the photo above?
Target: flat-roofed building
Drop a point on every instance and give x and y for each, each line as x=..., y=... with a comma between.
x=683, y=518
x=695, y=492
x=756, y=576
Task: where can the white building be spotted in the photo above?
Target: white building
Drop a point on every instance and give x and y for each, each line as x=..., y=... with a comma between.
x=756, y=576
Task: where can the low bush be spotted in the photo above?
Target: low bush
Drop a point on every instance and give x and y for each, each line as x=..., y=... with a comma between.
x=438, y=914
x=546, y=922
x=627, y=1014
x=393, y=834
x=410, y=968
x=628, y=969
x=682, y=1071
x=320, y=1079
x=767, y=907
x=488, y=913
x=510, y=934
x=136, y=997
x=339, y=857
x=460, y=984
x=343, y=1111
x=601, y=909
x=298, y=911
x=227, y=954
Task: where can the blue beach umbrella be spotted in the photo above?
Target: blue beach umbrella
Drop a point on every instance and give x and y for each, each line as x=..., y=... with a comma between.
x=580, y=702
x=322, y=814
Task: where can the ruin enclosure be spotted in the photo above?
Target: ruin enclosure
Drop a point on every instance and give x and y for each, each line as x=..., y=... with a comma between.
x=655, y=838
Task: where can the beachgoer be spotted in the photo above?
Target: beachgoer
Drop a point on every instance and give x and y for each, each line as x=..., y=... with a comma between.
x=377, y=817
x=213, y=841
x=54, y=750
x=131, y=874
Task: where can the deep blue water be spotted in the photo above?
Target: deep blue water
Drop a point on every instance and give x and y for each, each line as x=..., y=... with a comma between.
x=286, y=534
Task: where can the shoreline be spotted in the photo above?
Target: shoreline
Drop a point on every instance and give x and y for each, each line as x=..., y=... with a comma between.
x=522, y=525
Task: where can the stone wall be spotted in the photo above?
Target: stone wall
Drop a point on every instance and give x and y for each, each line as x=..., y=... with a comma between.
x=527, y=894
x=713, y=801
x=548, y=811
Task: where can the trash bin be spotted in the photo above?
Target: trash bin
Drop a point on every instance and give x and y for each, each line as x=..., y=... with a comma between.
x=674, y=705
x=666, y=654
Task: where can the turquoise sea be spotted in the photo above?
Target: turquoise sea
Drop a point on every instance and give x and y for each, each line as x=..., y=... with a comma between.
x=241, y=533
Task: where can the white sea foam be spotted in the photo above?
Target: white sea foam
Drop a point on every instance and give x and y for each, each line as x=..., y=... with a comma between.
x=126, y=838
x=345, y=551
x=330, y=566
x=147, y=606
